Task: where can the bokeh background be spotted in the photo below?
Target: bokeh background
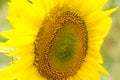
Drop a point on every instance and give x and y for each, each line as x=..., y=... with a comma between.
x=110, y=49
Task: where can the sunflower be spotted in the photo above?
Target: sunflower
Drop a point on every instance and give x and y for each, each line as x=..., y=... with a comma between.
x=56, y=39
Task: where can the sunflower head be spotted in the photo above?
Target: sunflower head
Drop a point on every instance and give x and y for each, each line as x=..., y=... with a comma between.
x=56, y=40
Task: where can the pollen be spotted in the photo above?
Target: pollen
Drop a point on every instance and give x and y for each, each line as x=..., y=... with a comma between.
x=61, y=44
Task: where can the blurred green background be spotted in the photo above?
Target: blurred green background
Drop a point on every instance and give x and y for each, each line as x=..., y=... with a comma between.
x=110, y=49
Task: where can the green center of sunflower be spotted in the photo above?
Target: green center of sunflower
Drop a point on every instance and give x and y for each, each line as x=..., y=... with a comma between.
x=61, y=45
x=64, y=45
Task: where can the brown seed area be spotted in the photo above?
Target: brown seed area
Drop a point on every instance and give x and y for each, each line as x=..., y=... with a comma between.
x=61, y=45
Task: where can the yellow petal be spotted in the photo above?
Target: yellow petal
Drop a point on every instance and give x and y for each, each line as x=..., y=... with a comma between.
x=22, y=51
x=97, y=16
x=16, y=33
x=99, y=31
x=30, y=73
x=34, y=12
x=95, y=54
x=18, y=42
x=16, y=68
x=23, y=24
x=98, y=67
x=89, y=71
x=85, y=7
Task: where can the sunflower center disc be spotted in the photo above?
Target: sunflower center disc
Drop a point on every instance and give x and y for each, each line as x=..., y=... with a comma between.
x=61, y=45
